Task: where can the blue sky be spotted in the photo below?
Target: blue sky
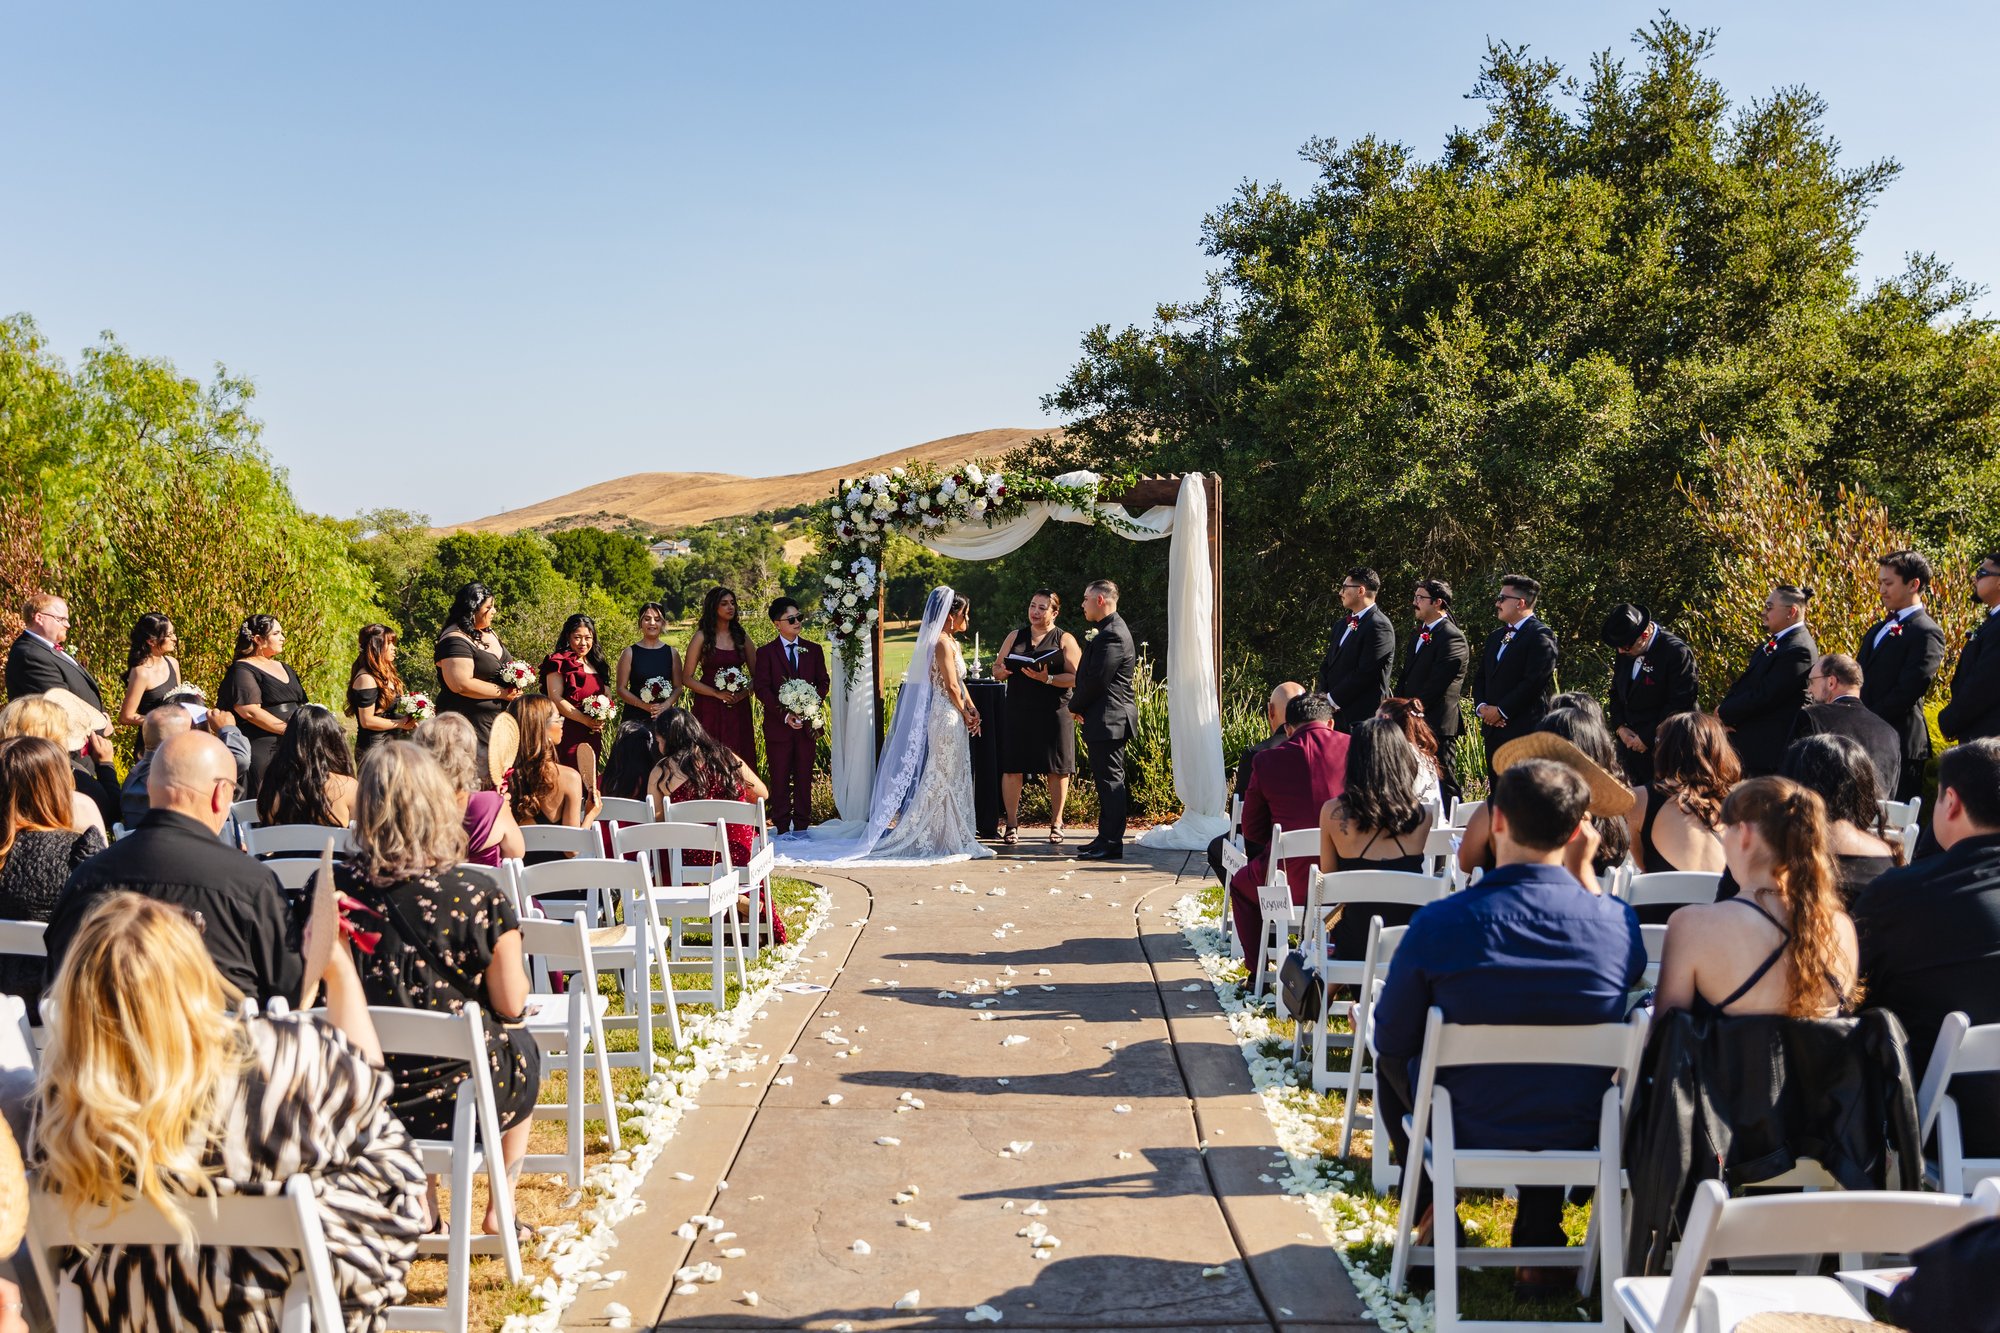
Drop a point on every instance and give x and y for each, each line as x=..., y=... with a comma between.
x=474, y=256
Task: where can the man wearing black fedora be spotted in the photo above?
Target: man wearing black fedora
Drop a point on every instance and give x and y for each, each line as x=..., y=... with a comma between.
x=1653, y=679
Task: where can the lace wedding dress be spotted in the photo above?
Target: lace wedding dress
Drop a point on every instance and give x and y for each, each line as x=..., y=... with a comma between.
x=939, y=824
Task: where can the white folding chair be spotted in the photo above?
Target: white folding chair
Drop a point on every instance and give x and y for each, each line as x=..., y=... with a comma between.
x=1672, y=888
x=288, y=1220
x=1834, y=1222
x=1961, y=1049
x=711, y=898
x=1230, y=862
x=757, y=885
x=474, y=1147
x=1656, y=949
x=1382, y=942
x=244, y=813
x=27, y=939
x=1440, y=850
x=18, y=1050
x=633, y=949
x=1908, y=836
x=503, y=877
x=1902, y=814
x=296, y=840
x=1434, y=813
x=1341, y=889
x=294, y=872
x=1280, y=915
x=1463, y=811
x=563, y=838
x=1434, y=1149
x=567, y=1025
x=624, y=810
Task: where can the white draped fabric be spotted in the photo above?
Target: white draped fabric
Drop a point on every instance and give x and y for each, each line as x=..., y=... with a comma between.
x=1195, y=724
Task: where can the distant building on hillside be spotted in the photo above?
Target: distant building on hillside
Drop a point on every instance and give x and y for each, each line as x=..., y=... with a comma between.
x=668, y=547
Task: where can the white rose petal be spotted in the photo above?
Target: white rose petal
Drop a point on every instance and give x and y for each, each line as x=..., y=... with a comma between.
x=910, y=1298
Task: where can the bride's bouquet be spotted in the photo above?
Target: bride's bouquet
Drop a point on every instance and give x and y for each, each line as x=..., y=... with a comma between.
x=656, y=690
x=597, y=707
x=416, y=705
x=801, y=700
x=517, y=675
x=732, y=679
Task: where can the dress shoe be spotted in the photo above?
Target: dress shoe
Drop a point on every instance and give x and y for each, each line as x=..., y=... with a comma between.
x=1102, y=852
x=1544, y=1284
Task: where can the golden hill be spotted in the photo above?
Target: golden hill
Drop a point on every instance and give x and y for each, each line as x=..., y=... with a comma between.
x=674, y=499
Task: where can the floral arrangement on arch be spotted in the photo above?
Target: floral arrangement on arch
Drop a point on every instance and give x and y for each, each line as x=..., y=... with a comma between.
x=913, y=499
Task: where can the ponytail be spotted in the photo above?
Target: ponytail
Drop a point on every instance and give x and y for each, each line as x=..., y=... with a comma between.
x=1791, y=821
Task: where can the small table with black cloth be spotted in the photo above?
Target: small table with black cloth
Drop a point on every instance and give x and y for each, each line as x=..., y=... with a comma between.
x=990, y=698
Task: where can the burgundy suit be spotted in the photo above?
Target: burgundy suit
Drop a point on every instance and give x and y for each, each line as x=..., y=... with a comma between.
x=788, y=751
x=1288, y=785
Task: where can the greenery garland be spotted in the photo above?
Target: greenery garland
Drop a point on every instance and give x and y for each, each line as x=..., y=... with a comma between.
x=915, y=499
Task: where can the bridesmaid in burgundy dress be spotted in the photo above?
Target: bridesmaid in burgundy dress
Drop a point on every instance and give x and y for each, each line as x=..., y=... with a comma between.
x=572, y=673
x=720, y=641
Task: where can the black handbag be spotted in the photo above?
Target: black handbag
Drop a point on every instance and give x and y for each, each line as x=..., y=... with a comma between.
x=1299, y=988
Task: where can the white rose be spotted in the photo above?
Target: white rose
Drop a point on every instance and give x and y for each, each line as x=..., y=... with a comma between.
x=847, y=599
x=847, y=627
x=974, y=475
x=895, y=472
x=978, y=508
x=871, y=613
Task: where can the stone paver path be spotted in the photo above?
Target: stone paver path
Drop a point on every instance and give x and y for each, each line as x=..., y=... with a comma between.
x=1102, y=1047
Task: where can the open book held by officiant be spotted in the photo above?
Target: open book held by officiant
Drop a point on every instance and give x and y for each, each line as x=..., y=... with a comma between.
x=1018, y=659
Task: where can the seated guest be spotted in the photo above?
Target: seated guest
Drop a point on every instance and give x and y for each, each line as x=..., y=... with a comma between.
x=1784, y=946
x=1840, y=773
x=1274, y=713
x=541, y=789
x=631, y=759
x=694, y=766
x=1955, y=1287
x=156, y=729
x=175, y=857
x=1527, y=944
x=1675, y=817
x=37, y=715
x=311, y=777
x=490, y=831
x=1834, y=686
x=1376, y=823
x=405, y=880
x=38, y=848
x=1570, y=738
x=152, y=1084
x=1581, y=701
x=1930, y=931
x=1289, y=785
x=1408, y=715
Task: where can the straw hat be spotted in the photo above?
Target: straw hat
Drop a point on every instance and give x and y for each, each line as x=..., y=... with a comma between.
x=84, y=721
x=503, y=746
x=1795, y=1322
x=1608, y=795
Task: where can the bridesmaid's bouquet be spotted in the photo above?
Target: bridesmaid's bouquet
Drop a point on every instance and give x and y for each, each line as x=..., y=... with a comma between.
x=597, y=707
x=801, y=701
x=731, y=679
x=416, y=705
x=517, y=675
x=657, y=690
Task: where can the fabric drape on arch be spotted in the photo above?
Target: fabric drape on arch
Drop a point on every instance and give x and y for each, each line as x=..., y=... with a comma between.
x=1194, y=718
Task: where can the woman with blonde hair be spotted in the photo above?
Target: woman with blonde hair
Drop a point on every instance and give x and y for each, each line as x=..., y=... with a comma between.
x=151, y=1085
x=1801, y=958
x=448, y=937
x=490, y=831
x=38, y=848
x=32, y=715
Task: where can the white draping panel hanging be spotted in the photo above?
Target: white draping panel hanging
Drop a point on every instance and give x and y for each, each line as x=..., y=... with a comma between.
x=852, y=705
x=1194, y=718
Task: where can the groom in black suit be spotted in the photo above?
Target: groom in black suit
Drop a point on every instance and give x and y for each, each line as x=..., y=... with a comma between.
x=38, y=663
x=1517, y=667
x=1102, y=701
x=1900, y=656
x=1362, y=653
x=1434, y=674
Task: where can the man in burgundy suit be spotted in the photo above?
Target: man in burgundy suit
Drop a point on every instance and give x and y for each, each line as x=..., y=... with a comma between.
x=1288, y=785
x=789, y=745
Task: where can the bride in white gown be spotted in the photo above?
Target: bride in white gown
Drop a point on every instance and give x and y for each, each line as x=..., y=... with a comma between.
x=921, y=808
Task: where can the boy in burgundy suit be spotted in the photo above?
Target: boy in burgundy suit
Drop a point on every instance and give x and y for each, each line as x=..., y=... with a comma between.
x=789, y=745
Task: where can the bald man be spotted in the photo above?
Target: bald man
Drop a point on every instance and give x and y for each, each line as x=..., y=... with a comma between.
x=162, y=725
x=173, y=855
x=1274, y=713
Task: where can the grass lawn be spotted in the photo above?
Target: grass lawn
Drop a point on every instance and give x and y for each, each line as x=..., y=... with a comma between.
x=539, y=1199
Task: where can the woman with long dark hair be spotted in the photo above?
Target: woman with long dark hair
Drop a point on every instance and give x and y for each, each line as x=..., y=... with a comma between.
x=1676, y=819
x=469, y=660
x=631, y=760
x=1408, y=715
x=650, y=659
x=572, y=672
x=1376, y=823
x=1801, y=959
x=373, y=688
x=1837, y=769
x=152, y=672
x=1038, y=662
x=311, y=777
x=720, y=642
x=694, y=766
x=261, y=691
x=540, y=788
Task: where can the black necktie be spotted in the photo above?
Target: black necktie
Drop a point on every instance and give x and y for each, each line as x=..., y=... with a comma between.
x=792, y=652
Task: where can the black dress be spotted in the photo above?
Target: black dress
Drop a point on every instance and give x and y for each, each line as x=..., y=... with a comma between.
x=153, y=698
x=364, y=739
x=462, y=917
x=485, y=666
x=246, y=684
x=1040, y=737
x=31, y=883
x=1348, y=939
x=650, y=662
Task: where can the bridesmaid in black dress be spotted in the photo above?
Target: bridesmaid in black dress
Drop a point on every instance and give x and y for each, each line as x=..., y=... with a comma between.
x=1040, y=737
x=373, y=687
x=647, y=659
x=262, y=691
x=469, y=658
x=152, y=672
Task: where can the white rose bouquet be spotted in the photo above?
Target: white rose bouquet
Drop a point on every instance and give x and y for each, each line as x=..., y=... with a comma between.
x=656, y=690
x=416, y=705
x=732, y=679
x=801, y=700
x=597, y=707
x=517, y=675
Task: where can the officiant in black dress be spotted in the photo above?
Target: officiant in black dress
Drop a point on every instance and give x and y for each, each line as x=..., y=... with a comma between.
x=1038, y=662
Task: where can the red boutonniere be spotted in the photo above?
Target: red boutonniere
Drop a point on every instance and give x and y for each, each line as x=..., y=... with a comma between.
x=1770, y=646
x=1895, y=629
x=1423, y=640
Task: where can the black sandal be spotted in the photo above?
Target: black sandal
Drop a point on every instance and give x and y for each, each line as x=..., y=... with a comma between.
x=1010, y=835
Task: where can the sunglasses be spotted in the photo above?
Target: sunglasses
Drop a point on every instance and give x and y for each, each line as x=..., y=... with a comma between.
x=790, y=620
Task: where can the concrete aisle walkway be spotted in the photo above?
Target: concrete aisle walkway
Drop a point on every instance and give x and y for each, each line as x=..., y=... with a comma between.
x=1102, y=1046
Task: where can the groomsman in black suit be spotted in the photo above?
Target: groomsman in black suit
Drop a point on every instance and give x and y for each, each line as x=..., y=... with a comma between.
x=1517, y=668
x=37, y=663
x=1434, y=673
x=1762, y=707
x=1900, y=655
x=1974, y=710
x=1654, y=679
x=1103, y=702
x=1355, y=672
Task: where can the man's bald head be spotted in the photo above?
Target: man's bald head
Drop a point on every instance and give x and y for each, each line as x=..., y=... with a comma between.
x=193, y=774
x=162, y=725
x=1274, y=711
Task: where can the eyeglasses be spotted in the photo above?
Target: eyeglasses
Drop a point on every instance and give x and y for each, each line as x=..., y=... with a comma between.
x=1984, y=573
x=1352, y=587
x=54, y=620
x=1508, y=597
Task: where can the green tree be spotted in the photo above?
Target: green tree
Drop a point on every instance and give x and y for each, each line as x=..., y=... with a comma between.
x=616, y=562
x=395, y=545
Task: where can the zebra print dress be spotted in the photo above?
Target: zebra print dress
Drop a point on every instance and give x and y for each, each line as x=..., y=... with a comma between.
x=308, y=1102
